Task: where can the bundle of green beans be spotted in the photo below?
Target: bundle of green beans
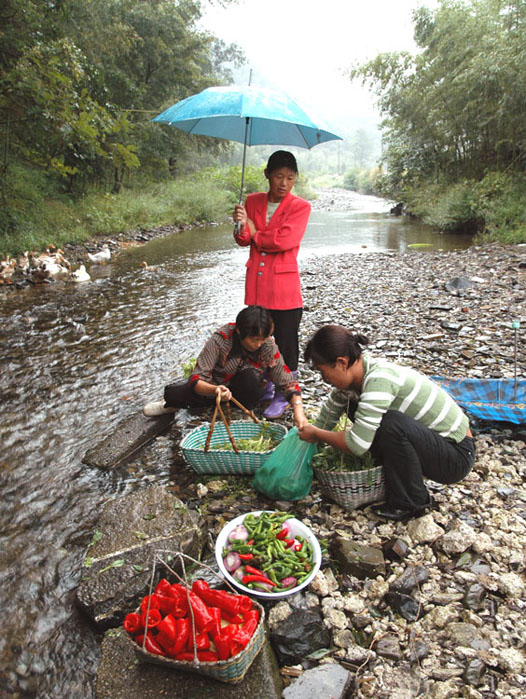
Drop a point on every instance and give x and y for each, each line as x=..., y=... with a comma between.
x=331, y=459
x=274, y=550
x=264, y=441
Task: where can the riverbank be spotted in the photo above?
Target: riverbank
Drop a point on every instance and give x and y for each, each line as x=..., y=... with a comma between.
x=445, y=617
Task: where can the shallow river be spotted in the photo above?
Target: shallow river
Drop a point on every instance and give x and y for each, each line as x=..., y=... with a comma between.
x=77, y=360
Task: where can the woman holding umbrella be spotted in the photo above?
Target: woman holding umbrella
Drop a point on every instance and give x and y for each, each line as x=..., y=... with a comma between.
x=273, y=224
x=409, y=424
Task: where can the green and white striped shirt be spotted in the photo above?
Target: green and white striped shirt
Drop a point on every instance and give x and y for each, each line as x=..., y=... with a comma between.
x=387, y=386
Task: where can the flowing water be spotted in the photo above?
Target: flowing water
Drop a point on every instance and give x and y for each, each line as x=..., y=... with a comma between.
x=77, y=360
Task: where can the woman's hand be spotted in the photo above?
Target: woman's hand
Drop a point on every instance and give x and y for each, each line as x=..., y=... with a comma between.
x=308, y=433
x=240, y=215
x=224, y=393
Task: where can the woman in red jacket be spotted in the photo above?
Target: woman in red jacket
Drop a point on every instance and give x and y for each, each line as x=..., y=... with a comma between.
x=273, y=223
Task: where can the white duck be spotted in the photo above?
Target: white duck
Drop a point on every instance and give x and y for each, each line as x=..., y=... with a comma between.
x=101, y=257
x=80, y=275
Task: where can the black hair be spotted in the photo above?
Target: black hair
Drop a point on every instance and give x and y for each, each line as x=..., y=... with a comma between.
x=254, y=320
x=281, y=158
x=333, y=341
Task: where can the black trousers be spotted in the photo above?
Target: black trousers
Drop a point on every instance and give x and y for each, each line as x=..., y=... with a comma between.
x=409, y=451
x=286, y=327
x=247, y=387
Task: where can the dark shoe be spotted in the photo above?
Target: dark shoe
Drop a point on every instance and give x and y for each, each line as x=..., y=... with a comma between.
x=394, y=513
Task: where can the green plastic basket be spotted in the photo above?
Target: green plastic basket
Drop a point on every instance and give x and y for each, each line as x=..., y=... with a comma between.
x=223, y=460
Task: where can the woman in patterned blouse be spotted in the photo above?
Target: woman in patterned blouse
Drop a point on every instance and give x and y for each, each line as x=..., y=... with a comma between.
x=233, y=363
x=409, y=424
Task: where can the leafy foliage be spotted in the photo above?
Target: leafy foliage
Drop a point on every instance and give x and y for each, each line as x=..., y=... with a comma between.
x=454, y=111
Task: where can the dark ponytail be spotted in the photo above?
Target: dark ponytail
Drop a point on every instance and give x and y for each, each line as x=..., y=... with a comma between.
x=333, y=341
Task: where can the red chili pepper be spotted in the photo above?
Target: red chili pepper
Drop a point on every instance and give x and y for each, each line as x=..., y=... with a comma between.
x=203, y=619
x=163, y=587
x=202, y=642
x=205, y=656
x=254, y=571
x=223, y=641
x=154, y=602
x=182, y=632
x=298, y=546
x=132, y=623
x=149, y=644
x=257, y=578
x=226, y=601
x=250, y=542
x=283, y=534
x=252, y=614
x=246, y=556
x=167, y=631
x=166, y=603
x=243, y=635
x=232, y=618
x=216, y=615
x=289, y=542
x=154, y=618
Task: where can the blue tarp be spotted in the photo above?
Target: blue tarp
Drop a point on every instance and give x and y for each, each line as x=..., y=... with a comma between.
x=489, y=399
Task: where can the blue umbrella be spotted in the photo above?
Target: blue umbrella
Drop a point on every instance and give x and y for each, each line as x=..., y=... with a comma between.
x=246, y=114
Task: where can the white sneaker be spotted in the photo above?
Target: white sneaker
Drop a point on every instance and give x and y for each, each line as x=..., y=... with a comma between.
x=156, y=408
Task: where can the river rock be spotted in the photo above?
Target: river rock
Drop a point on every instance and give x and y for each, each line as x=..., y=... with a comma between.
x=118, y=564
x=424, y=529
x=412, y=577
x=458, y=539
x=122, y=676
x=358, y=560
x=301, y=633
x=328, y=680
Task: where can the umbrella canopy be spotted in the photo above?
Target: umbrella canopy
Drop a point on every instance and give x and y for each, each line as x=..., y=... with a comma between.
x=247, y=114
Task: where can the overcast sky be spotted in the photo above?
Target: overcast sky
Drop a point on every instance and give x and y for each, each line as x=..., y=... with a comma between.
x=304, y=47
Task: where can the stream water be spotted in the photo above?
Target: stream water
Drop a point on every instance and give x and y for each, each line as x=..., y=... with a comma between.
x=77, y=360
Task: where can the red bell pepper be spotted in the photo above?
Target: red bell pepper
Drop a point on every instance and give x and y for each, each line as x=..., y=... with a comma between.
x=166, y=603
x=133, y=623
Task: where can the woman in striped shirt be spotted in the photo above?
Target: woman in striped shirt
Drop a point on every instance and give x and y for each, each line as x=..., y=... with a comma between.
x=409, y=424
x=233, y=362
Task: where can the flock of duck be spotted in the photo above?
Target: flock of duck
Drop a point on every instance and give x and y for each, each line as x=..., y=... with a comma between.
x=39, y=268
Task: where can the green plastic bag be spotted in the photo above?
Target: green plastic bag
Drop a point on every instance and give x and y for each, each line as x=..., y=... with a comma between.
x=287, y=473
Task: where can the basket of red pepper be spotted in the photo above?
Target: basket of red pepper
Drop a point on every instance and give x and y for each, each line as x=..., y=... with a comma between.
x=198, y=629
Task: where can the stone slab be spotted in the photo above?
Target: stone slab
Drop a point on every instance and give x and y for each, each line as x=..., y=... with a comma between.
x=121, y=675
x=330, y=680
x=129, y=436
x=117, y=569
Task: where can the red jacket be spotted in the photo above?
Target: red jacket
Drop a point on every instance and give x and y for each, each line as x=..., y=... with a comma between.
x=273, y=279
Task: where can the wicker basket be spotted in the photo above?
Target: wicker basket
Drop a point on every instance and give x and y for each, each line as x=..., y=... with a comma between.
x=224, y=460
x=350, y=489
x=231, y=671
